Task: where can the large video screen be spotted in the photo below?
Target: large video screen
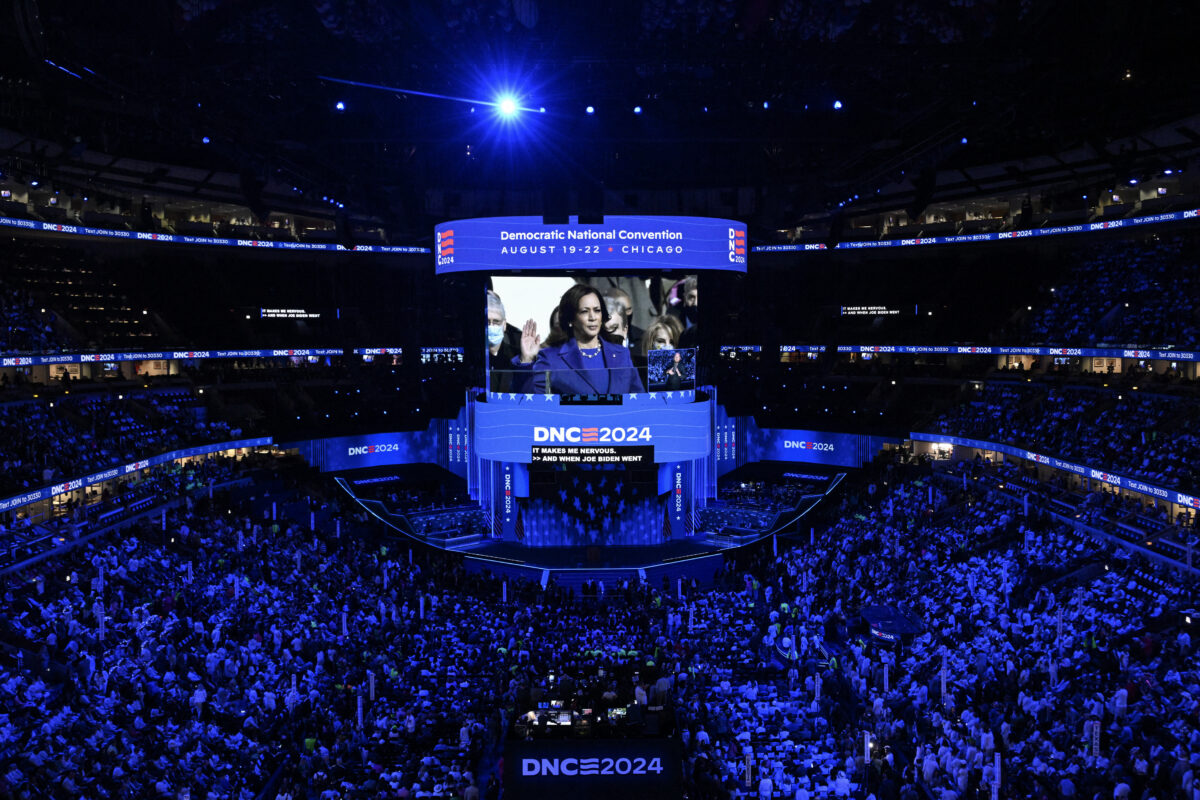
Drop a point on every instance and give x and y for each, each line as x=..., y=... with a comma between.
x=590, y=334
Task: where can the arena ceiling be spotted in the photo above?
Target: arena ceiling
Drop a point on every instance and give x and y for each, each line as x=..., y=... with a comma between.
x=733, y=93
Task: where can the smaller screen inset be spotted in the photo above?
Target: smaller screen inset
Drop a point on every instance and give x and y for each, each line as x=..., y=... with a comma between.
x=672, y=370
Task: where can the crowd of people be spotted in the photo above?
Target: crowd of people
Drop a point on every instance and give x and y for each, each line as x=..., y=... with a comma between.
x=231, y=650
x=42, y=441
x=25, y=326
x=462, y=521
x=1136, y=434
x=798, y=678
x=208, y=656
x=1125, y=293
x=764, y=494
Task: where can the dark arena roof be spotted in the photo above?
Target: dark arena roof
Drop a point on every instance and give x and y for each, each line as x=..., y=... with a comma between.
x=785, y=110
x=832, y=429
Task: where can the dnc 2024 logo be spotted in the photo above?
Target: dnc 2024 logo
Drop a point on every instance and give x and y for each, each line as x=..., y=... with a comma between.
x=599, y=435
x=590, y=767
x=368, y=449
x=445, y=247
x=737, y=246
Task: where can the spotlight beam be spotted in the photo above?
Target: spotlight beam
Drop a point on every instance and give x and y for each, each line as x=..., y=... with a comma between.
x=397, y=90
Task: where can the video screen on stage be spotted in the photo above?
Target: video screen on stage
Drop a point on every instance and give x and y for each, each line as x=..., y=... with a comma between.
x=671, y=370
x=591, y=334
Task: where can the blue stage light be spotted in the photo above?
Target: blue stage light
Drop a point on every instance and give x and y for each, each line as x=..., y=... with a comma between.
x=963, y=140
x=837, y=105
x=507, y=106
x=206, y=140
x=591, y=110
x=766, y=104
x=637, y=109
x=339, y=105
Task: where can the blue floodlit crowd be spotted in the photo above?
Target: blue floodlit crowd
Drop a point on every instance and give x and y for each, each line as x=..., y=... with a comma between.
x=235, y=648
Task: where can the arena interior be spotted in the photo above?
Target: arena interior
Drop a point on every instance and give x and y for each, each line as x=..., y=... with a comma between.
x=363, y=434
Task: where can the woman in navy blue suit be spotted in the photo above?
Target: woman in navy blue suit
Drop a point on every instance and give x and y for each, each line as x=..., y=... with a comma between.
x=582, y=357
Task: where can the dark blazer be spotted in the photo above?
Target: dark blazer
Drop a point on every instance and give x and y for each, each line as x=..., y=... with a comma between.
x=569, y=376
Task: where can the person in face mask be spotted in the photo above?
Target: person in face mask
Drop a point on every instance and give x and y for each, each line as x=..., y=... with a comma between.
x=501, y=349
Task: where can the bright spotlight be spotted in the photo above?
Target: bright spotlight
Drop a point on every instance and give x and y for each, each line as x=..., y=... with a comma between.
x=766, y=104
x=339, y=105
x=837, y=105
x=591, y=110
x=507, y=106
x=637, y=109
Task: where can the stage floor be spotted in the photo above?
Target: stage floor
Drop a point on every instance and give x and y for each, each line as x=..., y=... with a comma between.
x=688, y=553
x=590, y=558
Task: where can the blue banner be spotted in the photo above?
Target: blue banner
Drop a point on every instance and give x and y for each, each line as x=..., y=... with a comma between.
x=443, y=354
x=810, y=447
x=1111, y=478
x=125, y=469
x=985, y=350
x=373, y=450
x=379, y=351
x=163, y=355
x=170, y=238
x=676, y=427
x=634, y=244
x=21, y=360
x=643, y=768
x=675, y=480
x=1153, y=219
x=457, y=447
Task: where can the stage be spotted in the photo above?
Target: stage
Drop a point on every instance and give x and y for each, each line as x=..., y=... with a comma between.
x=468, y=530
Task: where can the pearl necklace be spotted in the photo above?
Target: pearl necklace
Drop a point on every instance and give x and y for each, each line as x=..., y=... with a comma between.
x=590, y=352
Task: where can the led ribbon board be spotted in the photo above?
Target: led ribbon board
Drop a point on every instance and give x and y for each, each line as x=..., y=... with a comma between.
x=170, y=238
x=1000, y=236
x=1112, y=479
x=125, y=469
x=998, y=350
x=634, y=244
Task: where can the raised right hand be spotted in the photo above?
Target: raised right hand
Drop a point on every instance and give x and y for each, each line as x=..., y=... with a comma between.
x=530, y=342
